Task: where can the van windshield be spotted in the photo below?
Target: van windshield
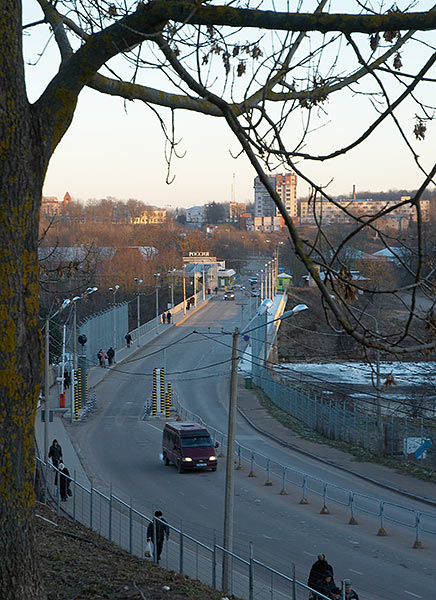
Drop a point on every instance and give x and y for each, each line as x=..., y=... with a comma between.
x=197, y=441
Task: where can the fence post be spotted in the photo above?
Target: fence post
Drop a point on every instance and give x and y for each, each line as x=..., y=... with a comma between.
x=214, y=561
x=352, y=520
x=283, y=491
x=239, y=465
x=251, y=473
x=294, y=587
x=74, y=495
x=268, y=473
x=46, y=476
x=221, y=454
x=130, y=527
x=181, y=553
x=324, y=509
x=304, y=500
x=91, y=508
x=110, y=513
x=417, y=544
x=251, y=575
x=382, y=531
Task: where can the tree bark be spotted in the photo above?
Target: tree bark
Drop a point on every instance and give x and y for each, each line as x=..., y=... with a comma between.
x=22, y=170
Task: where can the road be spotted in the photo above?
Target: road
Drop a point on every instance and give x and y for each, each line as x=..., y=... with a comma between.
x=117, y=446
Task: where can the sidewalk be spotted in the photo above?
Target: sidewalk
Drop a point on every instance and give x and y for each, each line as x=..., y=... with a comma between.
x=259, y=418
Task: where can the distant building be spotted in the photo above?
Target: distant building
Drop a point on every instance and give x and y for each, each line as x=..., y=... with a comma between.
x=261, y=224
x=151, y=217
x=324, y=211
x=235, y=209
x=51, y=206
x=285, y=185
x=195, y=215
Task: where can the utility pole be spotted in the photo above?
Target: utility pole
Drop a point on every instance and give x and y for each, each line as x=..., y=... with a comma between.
x=230, y=468
x=46, y=386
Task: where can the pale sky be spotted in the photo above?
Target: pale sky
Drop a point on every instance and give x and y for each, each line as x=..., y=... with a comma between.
x=112, y=149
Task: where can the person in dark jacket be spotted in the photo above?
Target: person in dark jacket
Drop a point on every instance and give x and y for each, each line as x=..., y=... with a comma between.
x=325, y=585
x=317, y=571
x=128, y=339
x=67, y=380
x=168, y=317
x=55, y=453
x=64, y=482
x=162, y=532
x=110, y=356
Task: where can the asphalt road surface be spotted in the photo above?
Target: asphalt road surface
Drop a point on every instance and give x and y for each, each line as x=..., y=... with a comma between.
x=118, y=447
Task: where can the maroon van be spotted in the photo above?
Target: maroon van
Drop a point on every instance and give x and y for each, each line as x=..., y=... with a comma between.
x=188, y=446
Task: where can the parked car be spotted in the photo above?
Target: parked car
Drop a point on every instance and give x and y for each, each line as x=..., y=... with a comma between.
x=188, y=446
x=229, y=295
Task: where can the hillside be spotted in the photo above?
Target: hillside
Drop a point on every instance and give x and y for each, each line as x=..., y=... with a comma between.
x=77, y=564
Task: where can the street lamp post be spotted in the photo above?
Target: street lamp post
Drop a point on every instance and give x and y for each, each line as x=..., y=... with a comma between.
x=114, y=291
x=156, y=277
x=138, y=313
x=262, y=297
x=230, y=470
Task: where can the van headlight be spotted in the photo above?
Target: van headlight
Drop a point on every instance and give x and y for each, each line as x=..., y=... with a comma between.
x=212, y=457
x=187, y=459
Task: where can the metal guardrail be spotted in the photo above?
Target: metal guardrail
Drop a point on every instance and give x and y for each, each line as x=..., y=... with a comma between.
x=382, y=510
x=121, y=523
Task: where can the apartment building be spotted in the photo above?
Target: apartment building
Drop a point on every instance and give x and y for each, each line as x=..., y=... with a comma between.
x=286, y=186
x=51, y=206
x=195, y=215
x=343, y=211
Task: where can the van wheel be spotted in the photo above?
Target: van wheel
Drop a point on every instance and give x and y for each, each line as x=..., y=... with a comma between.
x=166, y=461
x=213, y=469
x=179, y=467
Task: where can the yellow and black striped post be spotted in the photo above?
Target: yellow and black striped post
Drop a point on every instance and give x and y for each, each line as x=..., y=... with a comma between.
x=154, y=394
x=76, y=401
x=168, y=401
x=162, y=390
x=79, y=388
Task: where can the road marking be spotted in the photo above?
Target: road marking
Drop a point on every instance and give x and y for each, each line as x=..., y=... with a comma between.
x=154, y=427
x=353, y=571
x=308, y=553
x=412, y=594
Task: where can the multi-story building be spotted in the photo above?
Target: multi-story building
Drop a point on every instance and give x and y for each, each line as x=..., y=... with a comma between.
x=195, y=215
x=51, y=206
x=250, y=223
x=286, y=186
x=343, y=211
x=151, y=217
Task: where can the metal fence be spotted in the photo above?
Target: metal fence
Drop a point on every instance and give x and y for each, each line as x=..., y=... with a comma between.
x=357, y=504
x=120, y=522
x=338, y=420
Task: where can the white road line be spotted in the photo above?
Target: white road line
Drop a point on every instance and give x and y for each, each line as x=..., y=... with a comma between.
x=353, y=571
x=154, y=427
x=308, y=553
x=412, y=594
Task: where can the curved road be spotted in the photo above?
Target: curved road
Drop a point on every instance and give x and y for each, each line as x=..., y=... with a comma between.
x=117, y=446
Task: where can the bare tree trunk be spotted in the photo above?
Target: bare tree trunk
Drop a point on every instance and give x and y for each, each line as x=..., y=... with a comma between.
x=22, y=169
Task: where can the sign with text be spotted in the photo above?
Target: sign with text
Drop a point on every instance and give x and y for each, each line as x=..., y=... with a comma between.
x=199, y=254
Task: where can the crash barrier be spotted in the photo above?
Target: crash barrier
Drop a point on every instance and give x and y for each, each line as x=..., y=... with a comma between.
x=120, y=522
x=382, y=511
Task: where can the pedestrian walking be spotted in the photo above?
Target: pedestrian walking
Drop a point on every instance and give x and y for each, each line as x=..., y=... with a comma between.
x=100, y=357
x=325, y=585
x=103, y=359
x=168, y=317
x=64, y=482
x=55, y=453
x=350, y=594
x=318, y=570
x=67, y=380
x=128, y=339
x=162, y=532
x=188, y=306
x=110, y=356
x=164, y=318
